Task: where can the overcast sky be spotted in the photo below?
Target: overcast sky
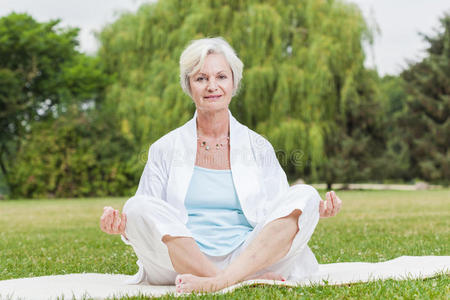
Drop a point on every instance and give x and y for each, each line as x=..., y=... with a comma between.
x=398, y=20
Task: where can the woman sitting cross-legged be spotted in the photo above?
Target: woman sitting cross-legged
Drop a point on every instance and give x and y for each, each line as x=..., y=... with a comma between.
x=213, y=206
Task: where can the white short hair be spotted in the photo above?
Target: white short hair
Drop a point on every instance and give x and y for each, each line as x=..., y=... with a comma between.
x=193, y=57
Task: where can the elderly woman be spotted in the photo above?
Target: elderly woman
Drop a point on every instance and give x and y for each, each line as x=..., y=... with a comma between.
x=213, y=206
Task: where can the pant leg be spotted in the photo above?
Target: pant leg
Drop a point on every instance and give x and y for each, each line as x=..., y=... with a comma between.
x=148, y=220
x=299, y=261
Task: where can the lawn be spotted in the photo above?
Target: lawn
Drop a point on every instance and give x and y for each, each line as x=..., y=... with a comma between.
x=61, y=236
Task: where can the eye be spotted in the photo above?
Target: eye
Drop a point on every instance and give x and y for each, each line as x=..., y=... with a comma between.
x=222, y=76
x=201, y=78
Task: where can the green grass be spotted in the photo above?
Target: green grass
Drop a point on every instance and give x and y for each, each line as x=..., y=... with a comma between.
x=43, y=237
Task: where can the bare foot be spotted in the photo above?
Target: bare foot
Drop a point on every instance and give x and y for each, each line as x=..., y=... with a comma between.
x=268, y=276
x=187, y=283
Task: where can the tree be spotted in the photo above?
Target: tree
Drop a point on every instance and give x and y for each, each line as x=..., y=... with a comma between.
x=304, y=80
x=41, y=73
x=358, y=136
x=79, y=154
x=394, y=162
x=426, y=122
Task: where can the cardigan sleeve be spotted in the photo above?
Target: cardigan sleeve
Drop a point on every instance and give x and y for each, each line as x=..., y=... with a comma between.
x=154, y=178
x=274, y=177
x=271, y=173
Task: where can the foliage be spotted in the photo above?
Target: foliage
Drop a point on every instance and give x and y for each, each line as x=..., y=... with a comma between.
x=394, y=163
x=303, y=80
x=74, y=125
x=79, y=154
x=427, y=119
x=41, y=75
x=41, y=72
x=359, y=137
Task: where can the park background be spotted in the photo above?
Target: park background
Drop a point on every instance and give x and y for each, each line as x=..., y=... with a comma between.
x=77, y=125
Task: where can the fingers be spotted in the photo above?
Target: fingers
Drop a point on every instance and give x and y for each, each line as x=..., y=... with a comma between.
x=337, y=203
x=111, y=222
x=329, y=205
x=333, y=204
x=116, y=222
x=321, y=208
x=105, y=219
x=109, y=219
x=123, y=222
x=324, y=207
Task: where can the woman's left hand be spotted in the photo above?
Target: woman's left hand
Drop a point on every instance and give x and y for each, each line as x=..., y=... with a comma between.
x=331, y=206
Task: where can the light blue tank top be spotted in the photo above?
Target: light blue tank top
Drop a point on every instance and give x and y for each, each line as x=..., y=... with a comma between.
x=215, y=215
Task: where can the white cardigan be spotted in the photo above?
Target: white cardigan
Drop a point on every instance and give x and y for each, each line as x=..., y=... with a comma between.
x=258, y=177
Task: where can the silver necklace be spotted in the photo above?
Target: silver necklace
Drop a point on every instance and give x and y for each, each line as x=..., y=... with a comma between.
x=219, y=145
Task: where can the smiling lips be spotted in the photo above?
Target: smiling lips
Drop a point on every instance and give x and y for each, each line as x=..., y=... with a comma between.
x=213, y=97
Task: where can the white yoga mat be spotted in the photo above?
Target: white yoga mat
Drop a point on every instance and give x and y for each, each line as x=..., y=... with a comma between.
x=100, y=286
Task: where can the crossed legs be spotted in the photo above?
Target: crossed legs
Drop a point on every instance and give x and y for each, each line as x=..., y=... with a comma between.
x=186, y=257
x=201, y=275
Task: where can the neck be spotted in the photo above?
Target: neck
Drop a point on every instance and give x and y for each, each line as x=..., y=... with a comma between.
x=213, y=124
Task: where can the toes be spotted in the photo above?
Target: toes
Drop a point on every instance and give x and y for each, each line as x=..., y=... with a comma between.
x=182, y=289
x=181, y=284
x=272, y=276
x=178, y=284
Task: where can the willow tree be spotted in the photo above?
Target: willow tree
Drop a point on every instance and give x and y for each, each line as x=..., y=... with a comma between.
x=303, y=67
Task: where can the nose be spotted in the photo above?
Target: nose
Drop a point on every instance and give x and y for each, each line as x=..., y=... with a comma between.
x=212, y=85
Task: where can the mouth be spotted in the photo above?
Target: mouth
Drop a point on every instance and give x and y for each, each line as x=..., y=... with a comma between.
x=212, y=97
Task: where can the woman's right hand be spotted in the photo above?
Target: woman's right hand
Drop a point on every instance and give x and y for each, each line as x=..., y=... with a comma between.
x=111, y=222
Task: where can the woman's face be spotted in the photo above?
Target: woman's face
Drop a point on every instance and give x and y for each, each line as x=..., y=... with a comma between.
x=212, y=85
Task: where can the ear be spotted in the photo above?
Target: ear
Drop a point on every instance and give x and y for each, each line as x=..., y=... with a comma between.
x=188, y=83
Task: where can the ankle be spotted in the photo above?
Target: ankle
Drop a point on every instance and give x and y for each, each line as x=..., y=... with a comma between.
x=225, y=279
x=210, y=273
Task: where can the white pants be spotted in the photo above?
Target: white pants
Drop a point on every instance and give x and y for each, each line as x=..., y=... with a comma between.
x=149, y=219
